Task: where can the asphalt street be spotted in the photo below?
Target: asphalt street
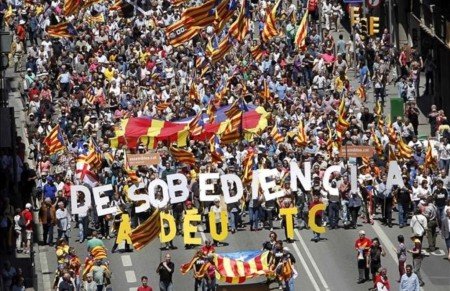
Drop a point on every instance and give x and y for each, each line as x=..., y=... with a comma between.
x=327, y=265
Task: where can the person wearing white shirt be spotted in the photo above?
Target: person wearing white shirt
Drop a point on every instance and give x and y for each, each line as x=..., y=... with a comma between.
x=63, y=219
x=418, y=224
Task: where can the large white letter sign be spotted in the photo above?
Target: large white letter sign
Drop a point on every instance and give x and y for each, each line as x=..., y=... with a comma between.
x=74, y=189
x=297, y=175
x=103, y=201
x=255, y=184
x=151, y=193
x=174, y=188
x=232, y=179
x=326, y=180
x=394, y=175
x=139, y=197
x=205, y=186
x=268, y=187
x=353, y=179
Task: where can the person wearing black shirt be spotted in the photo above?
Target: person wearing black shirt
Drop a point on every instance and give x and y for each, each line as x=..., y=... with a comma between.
x=199, y=272
x=403, y=201
x=375, y=253
x=165, y=271
x=66, y=284
x=440, y=196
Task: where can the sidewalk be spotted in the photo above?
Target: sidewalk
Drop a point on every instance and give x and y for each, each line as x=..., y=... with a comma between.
x=26, y=262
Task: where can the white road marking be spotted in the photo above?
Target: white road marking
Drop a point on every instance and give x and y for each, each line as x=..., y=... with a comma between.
x=133, y=289
x=44, y=269
x=388, y=245
x=131, y=276
x=313, y=262
x=126, y=261
x=305, y=265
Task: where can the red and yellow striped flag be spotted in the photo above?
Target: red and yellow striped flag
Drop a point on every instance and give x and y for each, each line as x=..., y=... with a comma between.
x=54, y=140
x=256, y=52
x=240, y=27
x=61, y=30
x=361, y=93
x=235, y=271
x=193, y=93
x=98, y=253
x=276, y=135
x=247, y=165
x=146, y=232
x=302, y=31
x=162, y=106
x=99, y=18
x=430, y=161
x=71, y=7
x=270, y=29
x=224, y=46
x=301, y=139
x=404, y=150
x=182, y=156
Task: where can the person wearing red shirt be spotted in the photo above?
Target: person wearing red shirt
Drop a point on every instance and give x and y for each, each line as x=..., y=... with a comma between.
x=22, y=33
x=318, y=216
x=362, y=246
x=382, y=281
x=28, y=217
x=144, y=287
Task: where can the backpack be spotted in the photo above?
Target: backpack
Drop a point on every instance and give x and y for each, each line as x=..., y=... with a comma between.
x=22, y=222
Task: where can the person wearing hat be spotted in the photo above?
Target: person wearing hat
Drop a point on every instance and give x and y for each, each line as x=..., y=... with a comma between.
x=417, y=257
x=362, y=246
x=28, y=219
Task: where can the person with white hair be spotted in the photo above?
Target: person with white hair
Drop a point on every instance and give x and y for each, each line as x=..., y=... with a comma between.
x=63, y=221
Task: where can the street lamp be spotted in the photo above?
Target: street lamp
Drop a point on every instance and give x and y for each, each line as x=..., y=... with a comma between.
x=5, y=48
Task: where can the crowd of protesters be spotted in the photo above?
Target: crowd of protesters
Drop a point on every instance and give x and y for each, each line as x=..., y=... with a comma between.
x=131, y=70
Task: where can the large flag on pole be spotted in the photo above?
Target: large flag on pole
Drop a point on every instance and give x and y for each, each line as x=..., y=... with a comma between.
x=302, y=31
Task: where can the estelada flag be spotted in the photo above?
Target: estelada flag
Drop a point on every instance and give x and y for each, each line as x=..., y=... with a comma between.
x=270, y=29
x=54, y=141
x=146, y=232
x=237, y=267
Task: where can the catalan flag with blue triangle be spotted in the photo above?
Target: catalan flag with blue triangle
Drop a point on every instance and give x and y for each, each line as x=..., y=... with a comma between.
x=54, y=141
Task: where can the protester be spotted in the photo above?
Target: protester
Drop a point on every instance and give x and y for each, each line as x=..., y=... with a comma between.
x=362, y=246
x=107, y=73
x=144, y=286
x=417, y=257
x=28, y=226
x=165, y=270
x=409, y=280
x=401, y=255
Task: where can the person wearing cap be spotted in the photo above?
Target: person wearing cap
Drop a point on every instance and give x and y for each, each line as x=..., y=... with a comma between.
x=28, y=218
x=362, y=246
x=417, y=257
x=47, y=217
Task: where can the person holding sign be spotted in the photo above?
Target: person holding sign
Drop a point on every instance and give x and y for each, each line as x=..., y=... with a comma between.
x=362, y=246
x=317, y=217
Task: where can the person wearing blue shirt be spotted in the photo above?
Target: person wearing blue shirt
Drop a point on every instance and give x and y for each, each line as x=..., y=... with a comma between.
x=280, y=89
x=49, y=190
x=409, y=280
